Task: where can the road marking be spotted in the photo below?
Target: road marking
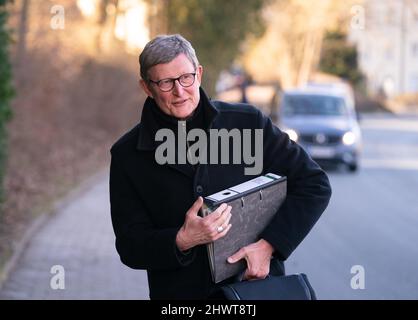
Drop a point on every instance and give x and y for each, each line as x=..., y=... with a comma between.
x=405, y=164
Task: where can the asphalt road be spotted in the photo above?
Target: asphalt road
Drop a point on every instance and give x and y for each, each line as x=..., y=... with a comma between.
x=368, y=236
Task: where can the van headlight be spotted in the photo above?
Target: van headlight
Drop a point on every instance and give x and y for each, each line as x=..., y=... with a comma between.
x=349, y=138
x=292, y=134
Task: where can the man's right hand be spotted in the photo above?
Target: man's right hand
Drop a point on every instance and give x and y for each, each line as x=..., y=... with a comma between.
x=198, y=230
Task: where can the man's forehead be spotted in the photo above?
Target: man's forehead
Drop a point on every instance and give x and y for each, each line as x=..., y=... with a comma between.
x=176, y=67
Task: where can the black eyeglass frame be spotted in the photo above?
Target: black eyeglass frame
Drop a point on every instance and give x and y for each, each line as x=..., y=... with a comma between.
x=173, y=80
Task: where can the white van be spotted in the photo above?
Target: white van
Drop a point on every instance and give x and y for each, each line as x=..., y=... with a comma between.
x=323, y=120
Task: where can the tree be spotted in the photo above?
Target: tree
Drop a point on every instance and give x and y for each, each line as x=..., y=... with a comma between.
x=6, y=90
x=339, y=58
x=102, y=17
x=216, y=29
x=289, y=50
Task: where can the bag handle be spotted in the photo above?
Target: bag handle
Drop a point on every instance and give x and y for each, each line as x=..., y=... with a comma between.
x=240, y=277
x=276, y=269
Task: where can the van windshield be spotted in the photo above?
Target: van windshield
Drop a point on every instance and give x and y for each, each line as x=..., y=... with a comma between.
x=313, y=105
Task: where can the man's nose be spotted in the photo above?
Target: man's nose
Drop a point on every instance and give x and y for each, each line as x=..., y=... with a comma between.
x=178, y=88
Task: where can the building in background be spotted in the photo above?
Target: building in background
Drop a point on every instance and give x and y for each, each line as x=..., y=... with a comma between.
x=387, y=43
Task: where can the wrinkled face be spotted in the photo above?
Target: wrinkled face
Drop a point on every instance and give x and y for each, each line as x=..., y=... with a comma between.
x=180, y=102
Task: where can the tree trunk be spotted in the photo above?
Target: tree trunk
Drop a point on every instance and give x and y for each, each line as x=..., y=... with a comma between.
x=312, y=42
x=114, y=18
x=23, y=27
x=159, y=21
x=101, y=22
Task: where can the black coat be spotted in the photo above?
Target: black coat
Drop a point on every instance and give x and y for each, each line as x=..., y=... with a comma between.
x=149, y=201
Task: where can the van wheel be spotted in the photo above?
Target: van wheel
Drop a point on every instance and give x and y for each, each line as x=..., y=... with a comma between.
x=353, y=167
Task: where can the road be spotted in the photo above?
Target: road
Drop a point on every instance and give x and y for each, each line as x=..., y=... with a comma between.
x=371, y=222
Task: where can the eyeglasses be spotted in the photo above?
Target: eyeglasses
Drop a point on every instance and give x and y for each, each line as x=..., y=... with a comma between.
x=165, y=85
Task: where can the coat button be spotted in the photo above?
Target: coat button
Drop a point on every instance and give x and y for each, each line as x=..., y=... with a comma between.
x=199, y=189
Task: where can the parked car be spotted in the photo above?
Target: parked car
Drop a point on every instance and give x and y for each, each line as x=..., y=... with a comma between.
x=323, y=120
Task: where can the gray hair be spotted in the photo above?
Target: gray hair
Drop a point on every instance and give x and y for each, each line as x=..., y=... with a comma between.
x=163, y=49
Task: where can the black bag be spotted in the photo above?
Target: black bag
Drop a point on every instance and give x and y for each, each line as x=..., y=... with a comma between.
x=290, y=287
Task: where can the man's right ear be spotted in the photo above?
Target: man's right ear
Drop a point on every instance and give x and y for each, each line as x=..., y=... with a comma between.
x=145, y=87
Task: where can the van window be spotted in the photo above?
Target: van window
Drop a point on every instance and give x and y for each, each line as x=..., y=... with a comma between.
x=295, y=105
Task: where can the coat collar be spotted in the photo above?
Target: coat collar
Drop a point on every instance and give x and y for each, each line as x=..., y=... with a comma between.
x=149, y=124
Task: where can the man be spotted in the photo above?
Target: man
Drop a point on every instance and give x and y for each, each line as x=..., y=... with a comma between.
x=155, y=206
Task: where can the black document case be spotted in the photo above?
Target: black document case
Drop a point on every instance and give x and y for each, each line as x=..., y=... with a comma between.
x=254, y=203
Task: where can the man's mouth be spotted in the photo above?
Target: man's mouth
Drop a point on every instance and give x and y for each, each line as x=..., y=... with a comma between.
x=180, y=102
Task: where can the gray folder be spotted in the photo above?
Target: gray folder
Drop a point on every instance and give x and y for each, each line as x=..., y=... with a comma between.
x=254, y=203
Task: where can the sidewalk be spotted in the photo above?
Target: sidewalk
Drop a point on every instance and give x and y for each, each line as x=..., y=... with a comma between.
x=402, y=108
x=79, y=237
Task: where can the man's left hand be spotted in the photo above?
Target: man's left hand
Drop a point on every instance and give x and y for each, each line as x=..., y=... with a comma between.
x=257, y=255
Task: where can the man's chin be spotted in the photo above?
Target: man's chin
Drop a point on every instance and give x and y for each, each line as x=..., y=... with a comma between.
x=183, y=114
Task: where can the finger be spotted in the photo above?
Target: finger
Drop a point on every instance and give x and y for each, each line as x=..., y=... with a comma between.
x=223, y=217
x=227, y=218
x=237, y=256
x=222, y=221
x=219, y=235
x=196, y=206
x=253, y=276
x=246, y=275
x=250, y=272
x=217, y=213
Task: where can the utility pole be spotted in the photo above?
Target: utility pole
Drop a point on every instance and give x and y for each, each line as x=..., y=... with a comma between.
x=402, y=48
